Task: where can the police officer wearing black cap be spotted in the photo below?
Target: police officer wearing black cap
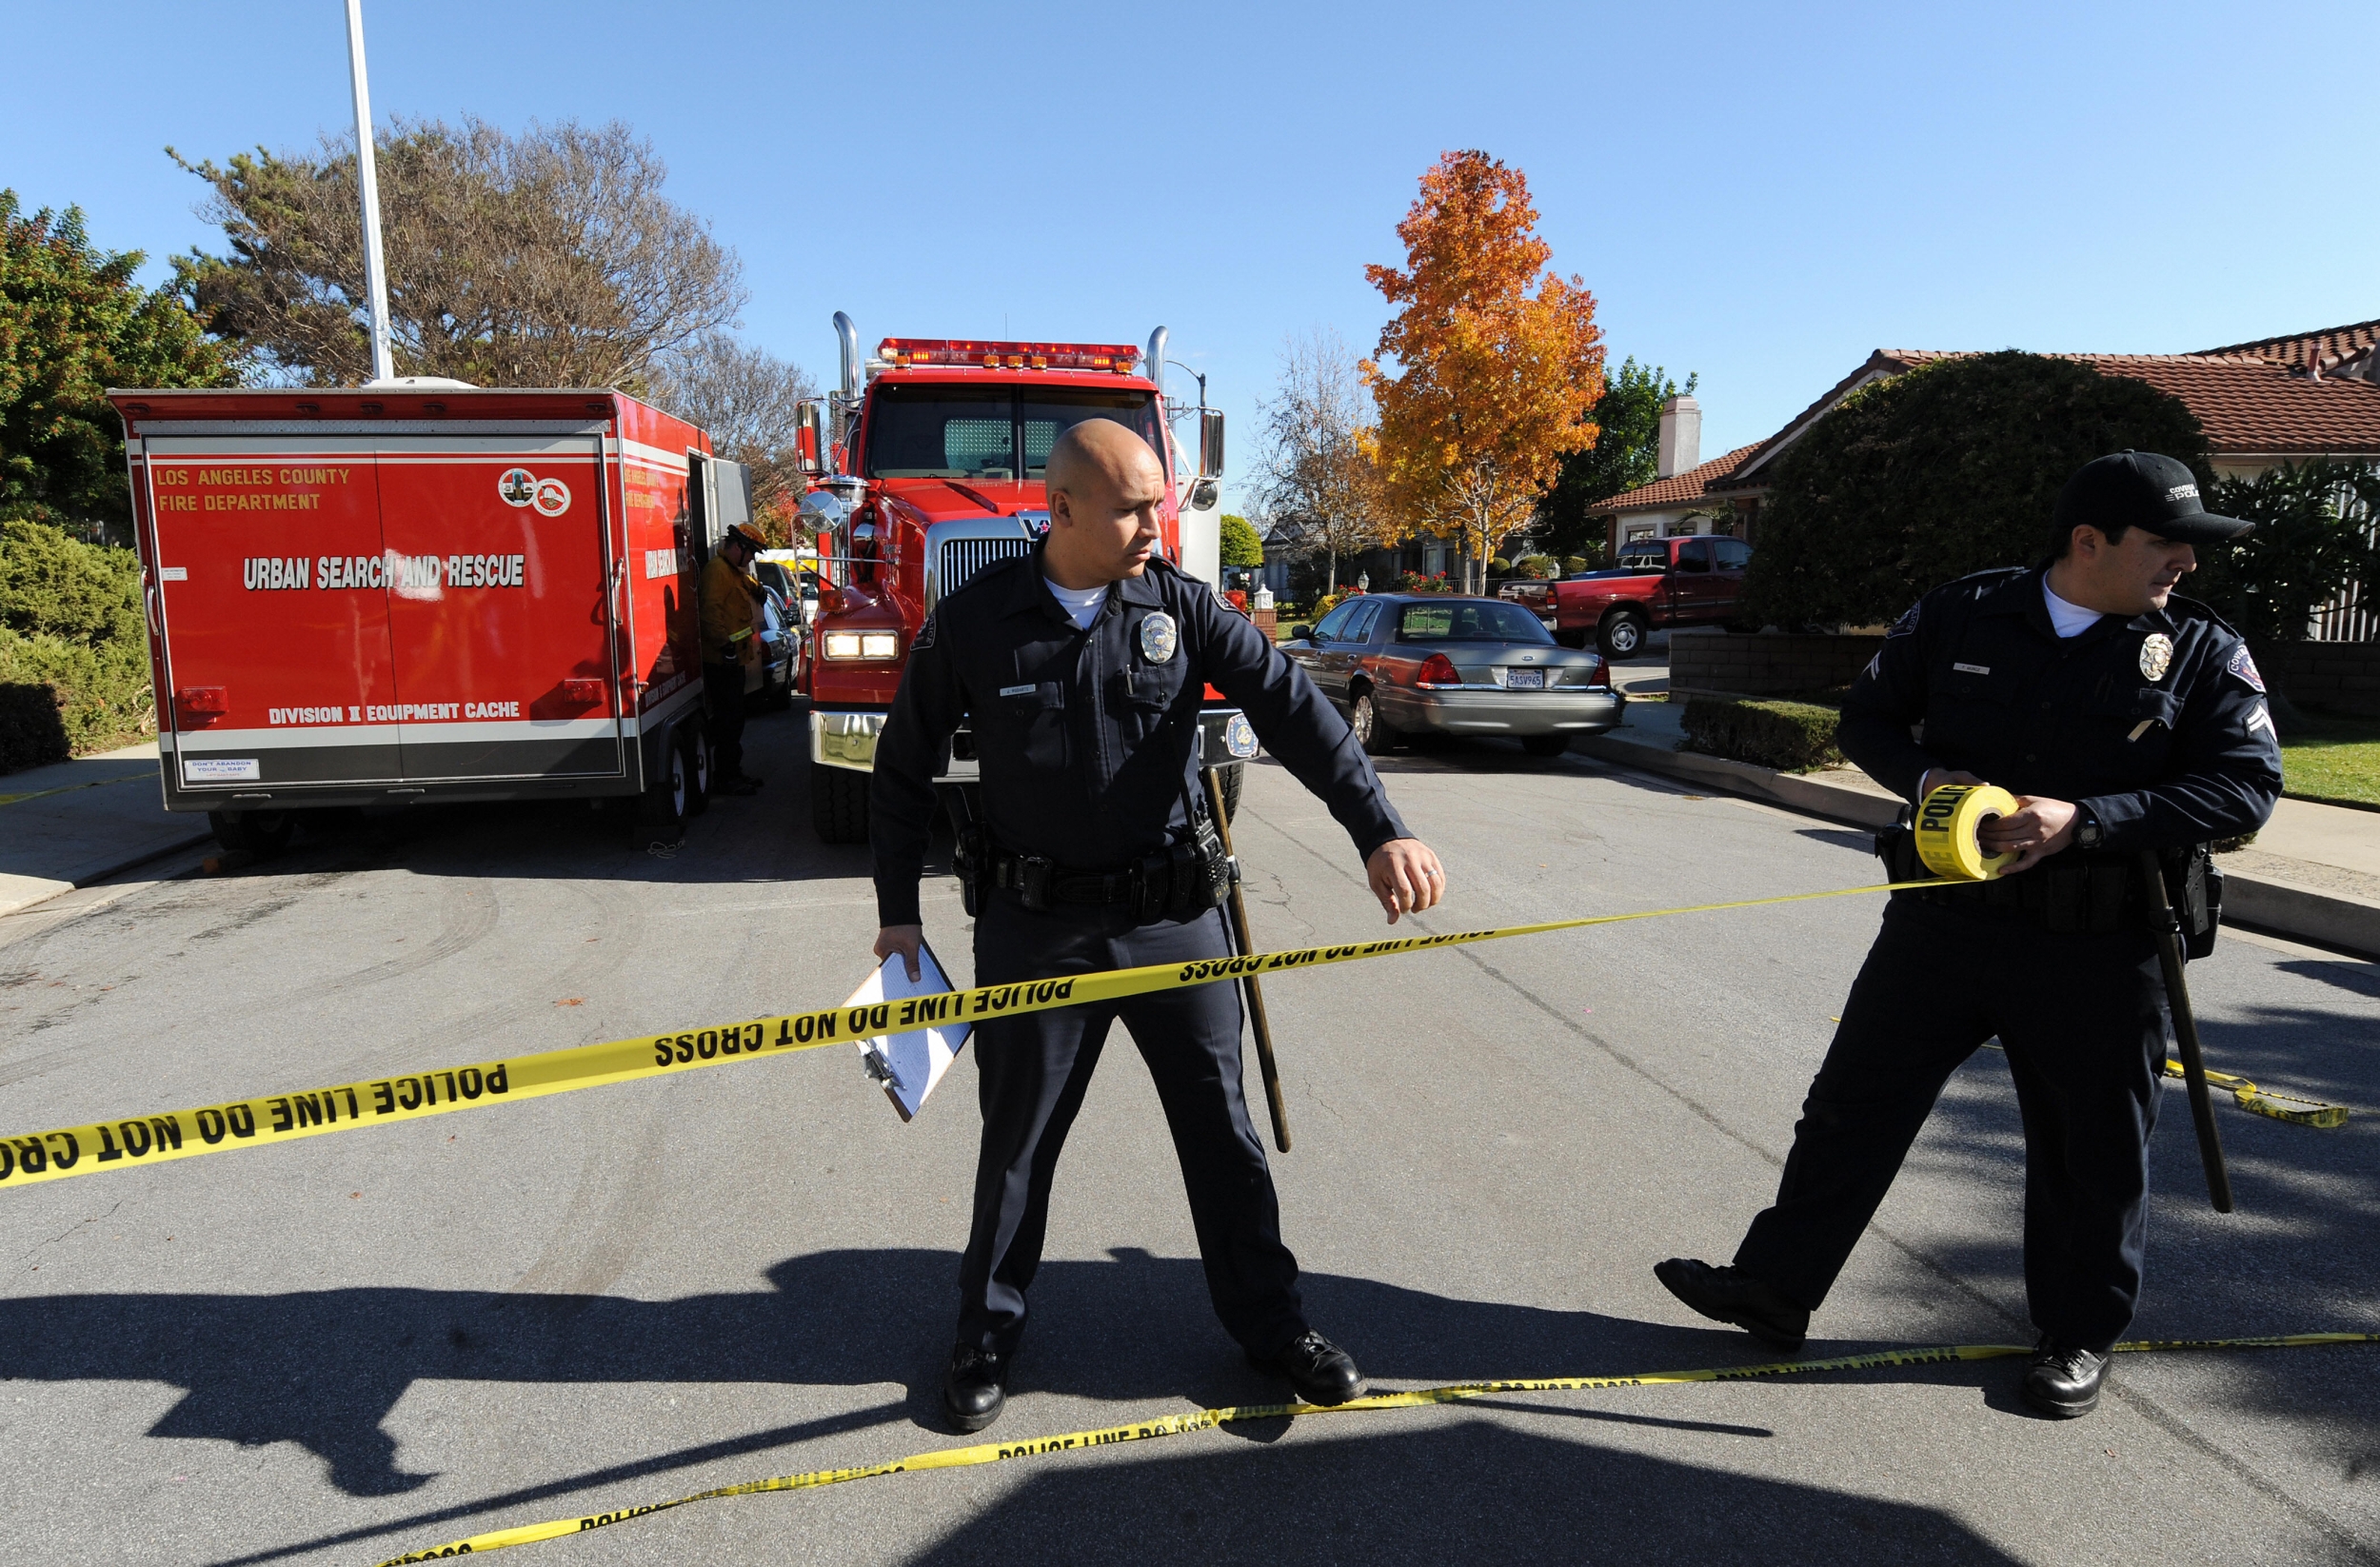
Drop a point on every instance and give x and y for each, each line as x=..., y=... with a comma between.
x=2123, y=718
x=1080, y=670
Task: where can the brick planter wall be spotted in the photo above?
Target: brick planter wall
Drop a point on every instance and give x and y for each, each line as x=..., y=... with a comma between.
x=2339, y=676
x=1766, y=663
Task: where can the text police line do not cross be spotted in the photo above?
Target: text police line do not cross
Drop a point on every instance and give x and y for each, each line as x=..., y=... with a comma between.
x=151, y=1139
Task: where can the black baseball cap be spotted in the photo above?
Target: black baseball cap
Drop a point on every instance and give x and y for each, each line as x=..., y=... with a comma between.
x=2140, y=489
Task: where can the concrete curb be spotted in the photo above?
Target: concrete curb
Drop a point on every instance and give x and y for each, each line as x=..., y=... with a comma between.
x=44, y=888
x=2333, y=919
x=2284, y=908
x=1835, y=802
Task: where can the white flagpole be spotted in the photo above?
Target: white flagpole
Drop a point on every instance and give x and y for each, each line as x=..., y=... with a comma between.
x=367, y=186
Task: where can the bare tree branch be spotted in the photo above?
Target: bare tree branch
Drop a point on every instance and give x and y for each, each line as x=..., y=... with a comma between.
x=1317, y=480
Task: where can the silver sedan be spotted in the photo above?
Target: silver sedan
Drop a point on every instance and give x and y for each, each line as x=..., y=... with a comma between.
x=1400, y=664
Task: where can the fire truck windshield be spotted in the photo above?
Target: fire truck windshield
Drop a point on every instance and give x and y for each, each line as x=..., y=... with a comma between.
x=980, y=432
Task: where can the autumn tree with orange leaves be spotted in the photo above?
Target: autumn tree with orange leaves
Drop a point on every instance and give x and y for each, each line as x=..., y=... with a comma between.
x=1497, y=360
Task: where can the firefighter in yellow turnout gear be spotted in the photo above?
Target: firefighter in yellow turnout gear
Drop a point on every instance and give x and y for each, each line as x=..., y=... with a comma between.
x=731, y=646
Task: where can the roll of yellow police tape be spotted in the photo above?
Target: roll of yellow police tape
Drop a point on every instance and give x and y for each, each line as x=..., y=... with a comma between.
x=1946, y=827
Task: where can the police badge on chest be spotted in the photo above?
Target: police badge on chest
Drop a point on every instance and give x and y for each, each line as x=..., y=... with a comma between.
x=1158, y=637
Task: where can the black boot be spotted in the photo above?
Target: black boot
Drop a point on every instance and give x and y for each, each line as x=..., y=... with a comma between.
x=1318, y=1370
x=975, y=1389
x=2063, y=1383
x=1724, y=1295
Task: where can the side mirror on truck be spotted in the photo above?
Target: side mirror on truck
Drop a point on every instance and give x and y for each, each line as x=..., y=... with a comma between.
x=809, y=435
x=1210, y=443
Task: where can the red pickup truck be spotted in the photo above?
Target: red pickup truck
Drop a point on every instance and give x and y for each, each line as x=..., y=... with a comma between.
x=1690, y=581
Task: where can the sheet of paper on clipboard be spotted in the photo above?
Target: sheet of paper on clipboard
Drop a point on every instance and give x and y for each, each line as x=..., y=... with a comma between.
x=909, y=1065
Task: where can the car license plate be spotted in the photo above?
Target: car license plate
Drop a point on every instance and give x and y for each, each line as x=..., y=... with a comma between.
x=1524, y=680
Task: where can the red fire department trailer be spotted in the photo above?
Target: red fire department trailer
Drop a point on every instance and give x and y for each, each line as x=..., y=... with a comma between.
x=415, y=592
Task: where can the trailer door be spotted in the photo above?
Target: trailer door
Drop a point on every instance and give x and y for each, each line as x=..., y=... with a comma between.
x=268, y=572
x=500, y=607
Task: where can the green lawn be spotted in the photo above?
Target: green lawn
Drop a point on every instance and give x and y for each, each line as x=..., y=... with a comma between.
x=2337, y=759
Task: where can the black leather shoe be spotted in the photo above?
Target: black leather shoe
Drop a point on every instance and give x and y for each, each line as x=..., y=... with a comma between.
x=2063, y=1383
x=975, y=1389
x=1725, y=1296
x=1319, y=1371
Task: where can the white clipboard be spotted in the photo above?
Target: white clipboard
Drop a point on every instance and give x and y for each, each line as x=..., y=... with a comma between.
x=908, y=1065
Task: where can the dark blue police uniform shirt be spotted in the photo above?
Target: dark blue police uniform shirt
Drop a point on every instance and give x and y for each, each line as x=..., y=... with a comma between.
x=2181, y=756
x=1086, y=744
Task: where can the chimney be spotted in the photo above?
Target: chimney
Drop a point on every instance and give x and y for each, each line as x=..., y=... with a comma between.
x=1681, y=438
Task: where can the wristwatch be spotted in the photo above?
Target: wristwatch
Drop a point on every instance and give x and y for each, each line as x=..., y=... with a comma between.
x=2087, y=833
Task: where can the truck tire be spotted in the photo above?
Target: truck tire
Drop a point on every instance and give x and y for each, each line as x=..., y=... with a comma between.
x=1623, y=633
x=660, y=811
x=1231, y=778
x=252, y=832
x=838, y=803
x=693, y=743
x=1371, y=729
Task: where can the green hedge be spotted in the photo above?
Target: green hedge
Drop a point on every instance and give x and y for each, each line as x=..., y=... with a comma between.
x=31, y=733
x=1788, y=736
x=71, y=627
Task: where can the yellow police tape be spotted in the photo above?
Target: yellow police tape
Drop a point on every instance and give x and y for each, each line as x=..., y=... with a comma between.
x=148, y=1140
x=2294, y=1109
x=1206, y=1420
x=1947, y=825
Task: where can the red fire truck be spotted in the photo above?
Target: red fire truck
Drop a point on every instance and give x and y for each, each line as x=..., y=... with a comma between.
x=420, y=591
x=926, y=465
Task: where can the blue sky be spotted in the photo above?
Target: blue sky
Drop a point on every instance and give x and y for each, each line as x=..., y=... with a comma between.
x=1759, y=193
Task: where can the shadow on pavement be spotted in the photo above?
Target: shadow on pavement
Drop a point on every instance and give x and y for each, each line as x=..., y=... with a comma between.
x=1469, y=1491
x=324, y=1369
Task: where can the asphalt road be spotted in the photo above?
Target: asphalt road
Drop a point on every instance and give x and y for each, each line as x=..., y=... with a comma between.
x=341, y=1349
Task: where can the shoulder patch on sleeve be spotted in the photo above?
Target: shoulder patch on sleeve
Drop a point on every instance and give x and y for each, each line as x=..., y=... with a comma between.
x=927, y=632
x=1907, y=623
x=2240, y=664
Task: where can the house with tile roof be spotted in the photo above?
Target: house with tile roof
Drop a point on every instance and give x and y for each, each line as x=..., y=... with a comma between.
x=2276, y=400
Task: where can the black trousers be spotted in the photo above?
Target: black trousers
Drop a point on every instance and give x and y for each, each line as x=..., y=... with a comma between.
x=2083, y=1021
x=722, y=695
x=1033, y=1071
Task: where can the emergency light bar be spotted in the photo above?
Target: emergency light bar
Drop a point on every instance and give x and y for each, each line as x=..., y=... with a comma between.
x=900, y=352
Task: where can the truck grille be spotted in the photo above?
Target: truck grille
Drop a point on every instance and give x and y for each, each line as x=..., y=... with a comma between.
x=963, y=558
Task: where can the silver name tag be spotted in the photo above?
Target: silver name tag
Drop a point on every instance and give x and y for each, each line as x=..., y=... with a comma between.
x=1973, y=668
x=1016, y=690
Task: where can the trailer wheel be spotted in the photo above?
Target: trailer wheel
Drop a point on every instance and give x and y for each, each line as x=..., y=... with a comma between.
x=253, y=832
x=662, y=808
x=838, y=803
x=695, y=743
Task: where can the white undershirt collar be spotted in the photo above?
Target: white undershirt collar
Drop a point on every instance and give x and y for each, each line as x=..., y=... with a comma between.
x=1081, y=605
x=2066, y=619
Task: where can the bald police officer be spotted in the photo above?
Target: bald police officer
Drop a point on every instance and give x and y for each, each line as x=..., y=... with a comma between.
x=2123, y=718
x=1080, y=670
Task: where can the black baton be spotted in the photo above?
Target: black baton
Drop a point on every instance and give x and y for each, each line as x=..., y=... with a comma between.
x=1255, y=992
x=2169, y=933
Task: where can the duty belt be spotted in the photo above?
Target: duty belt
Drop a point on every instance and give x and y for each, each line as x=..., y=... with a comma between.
x=1040, y=880
x=2085, y=899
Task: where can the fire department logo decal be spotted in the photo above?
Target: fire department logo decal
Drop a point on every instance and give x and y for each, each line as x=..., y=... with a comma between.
x=518, y=488
x=1158, y=639
x=2156, y=654
x=553, y=497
